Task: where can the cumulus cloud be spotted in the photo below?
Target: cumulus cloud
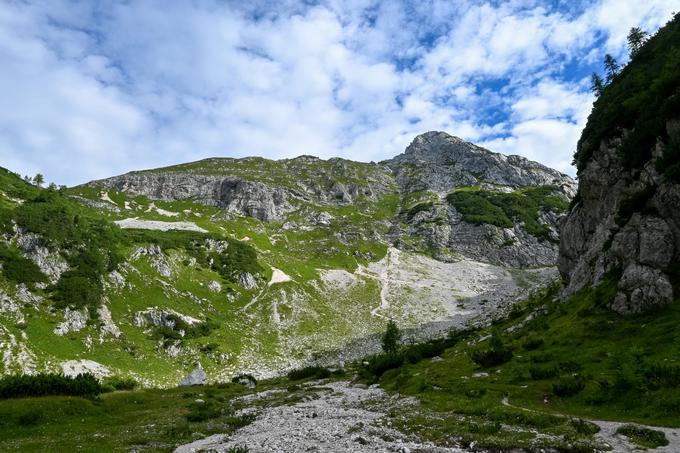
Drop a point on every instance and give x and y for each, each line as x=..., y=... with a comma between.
x=92, y=89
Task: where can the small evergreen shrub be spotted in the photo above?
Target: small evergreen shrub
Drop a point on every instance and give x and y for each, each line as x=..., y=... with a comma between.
x=538, y=373
x=312, y=371
x=118, y=383
x=31, y=417
x=380, y=363
x=209, y=348
x=420, y=207
x=19, y=269
x=243, y=378
x=238, y=449
x=391, y=337
x=663, y=374
x=568, y=386
x=635, y=202
x=584, y=427
x=642, y=436
x=43, y=384
x=481, y=206
x=497, y=354
x=533, y=343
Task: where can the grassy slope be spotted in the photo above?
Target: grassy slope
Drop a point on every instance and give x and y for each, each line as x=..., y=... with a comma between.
x=152, y=420
x=630, y=368
x=457, y=403
x=313, y=316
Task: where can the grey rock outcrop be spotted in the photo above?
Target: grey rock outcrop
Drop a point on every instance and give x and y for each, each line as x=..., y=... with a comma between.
x=196, y=377
x=599, y=239
x=440, y=162
x=262, y=194
x=236, y=195
x=50, y=263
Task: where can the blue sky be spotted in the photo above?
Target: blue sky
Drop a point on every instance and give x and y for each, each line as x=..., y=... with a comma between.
x=91, y=89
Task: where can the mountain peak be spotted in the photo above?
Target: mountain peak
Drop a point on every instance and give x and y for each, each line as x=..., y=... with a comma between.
x=445, y=161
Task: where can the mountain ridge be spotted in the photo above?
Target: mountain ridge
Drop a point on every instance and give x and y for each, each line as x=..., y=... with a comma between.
x=259, y=266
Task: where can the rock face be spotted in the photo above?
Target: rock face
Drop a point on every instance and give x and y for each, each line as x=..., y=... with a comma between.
x=625, y=225
x=263, y=192
x=233, y=194
x=438, y=163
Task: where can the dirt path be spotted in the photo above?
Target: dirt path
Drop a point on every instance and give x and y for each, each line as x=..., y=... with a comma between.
x=619, y=443
x=334, y=417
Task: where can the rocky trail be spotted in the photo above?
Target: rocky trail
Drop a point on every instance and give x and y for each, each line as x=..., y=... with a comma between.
x=618, y=442
x=329, y=417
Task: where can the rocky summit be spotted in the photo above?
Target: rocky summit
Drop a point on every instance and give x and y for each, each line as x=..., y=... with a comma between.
x=258, y=266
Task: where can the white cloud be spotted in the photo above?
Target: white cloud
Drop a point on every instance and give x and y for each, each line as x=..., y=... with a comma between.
x=89, y=92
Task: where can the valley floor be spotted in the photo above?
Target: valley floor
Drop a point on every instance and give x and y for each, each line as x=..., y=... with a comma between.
x=546, y=378
x=342, y=417
x=330, y=417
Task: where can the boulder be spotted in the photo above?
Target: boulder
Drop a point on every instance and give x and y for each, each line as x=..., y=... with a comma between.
x=196, y=377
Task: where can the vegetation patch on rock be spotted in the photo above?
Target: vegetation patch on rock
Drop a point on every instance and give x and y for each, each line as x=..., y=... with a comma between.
x=480, y=206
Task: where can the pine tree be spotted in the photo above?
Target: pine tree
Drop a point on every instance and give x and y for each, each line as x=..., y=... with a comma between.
x=38, y=179
x=596, y=84
x=636, y=39
x=391, y=337
x=611, y=66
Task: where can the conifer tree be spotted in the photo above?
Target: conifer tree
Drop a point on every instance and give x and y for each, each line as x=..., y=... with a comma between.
x=636, y=39
x=611, y=67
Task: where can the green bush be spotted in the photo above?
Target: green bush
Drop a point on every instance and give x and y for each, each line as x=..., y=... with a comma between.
x=497, y=354
x=533, y=343
x=77, y=291
x=391, y=337
x=538, y=373
x=417, y=352
x=663, y=374
x=118, y=383
x=634, y=203
x=380, y=363
x=312, y=371
x=200, y=329
x=209, y=348
x=568, y=386
x=43, y=384
x=420, y=207
x=584, y=427
x=30, y=417
x=475, y=207
x=238, y=449
x=642, y=436
x=244, y=377
x=669, y=163
x=19, y=269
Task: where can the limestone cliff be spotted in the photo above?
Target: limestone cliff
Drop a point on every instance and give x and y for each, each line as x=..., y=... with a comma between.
x=624, y=225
